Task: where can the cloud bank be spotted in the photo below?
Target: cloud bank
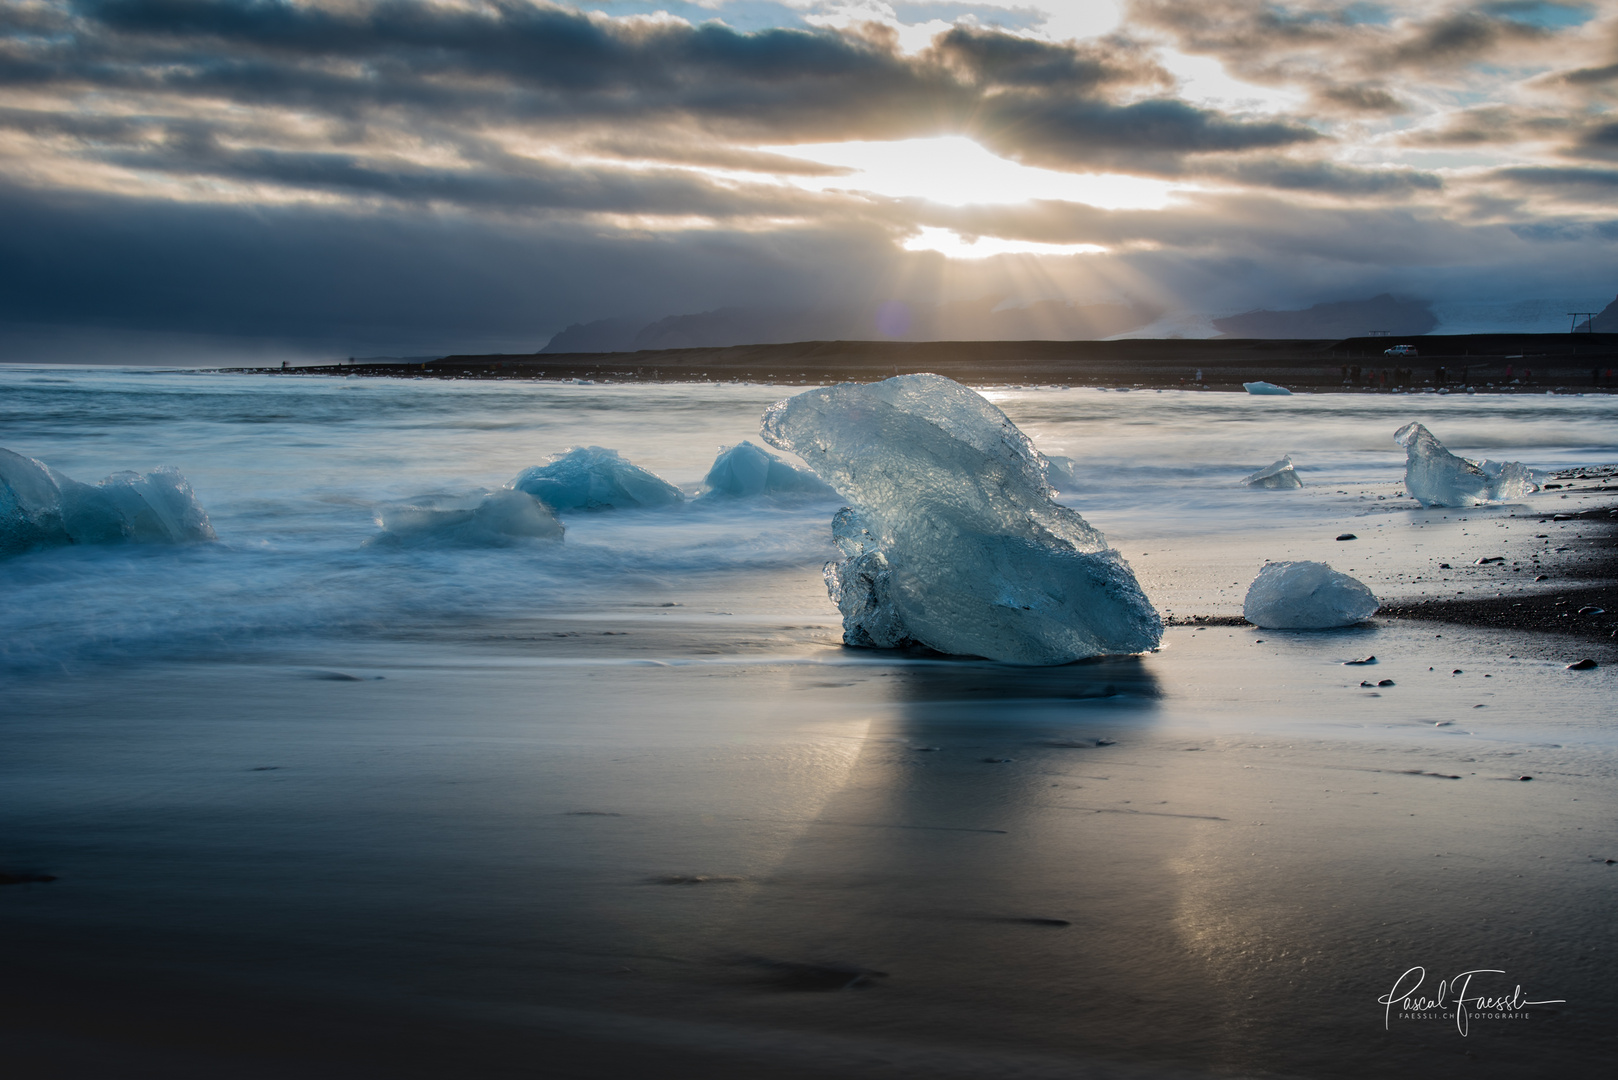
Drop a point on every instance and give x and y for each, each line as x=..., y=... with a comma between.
x=349, y=176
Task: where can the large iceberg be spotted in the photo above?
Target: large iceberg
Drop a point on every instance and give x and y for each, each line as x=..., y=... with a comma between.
x=1436, y=477
x=955, y=541
x=1275, y=476
x=747, y=471
x=479, y=519
x=593, y=478
x=1306, y=596
x=40, y=507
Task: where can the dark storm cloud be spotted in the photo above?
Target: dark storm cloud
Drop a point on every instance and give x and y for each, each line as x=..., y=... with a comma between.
x=510, y=61
x=1343, y=54
x=1545, y=178
x=1592, y=76
x=1360, y=98
x=411, y=177
x=1495, y=124
x=383, y=281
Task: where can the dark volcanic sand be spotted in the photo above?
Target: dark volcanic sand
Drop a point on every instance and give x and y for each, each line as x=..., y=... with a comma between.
x=1590, y=567
x=1574, y=362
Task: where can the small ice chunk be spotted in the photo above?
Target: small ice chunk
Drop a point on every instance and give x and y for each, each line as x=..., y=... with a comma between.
x=747, y=471
x=1277, y=475
x=1436, y=477
x=1306, y=596
x=479, y=519
x=1061, y=472
x=955, y=541
x=40, y=507
x=1263, y=388
x=30, y=506
x=593, y=478
x=158, y=507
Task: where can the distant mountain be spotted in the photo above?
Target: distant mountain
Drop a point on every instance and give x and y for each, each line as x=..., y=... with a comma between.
x=1606, y=322
x=983, y=319
x=1345, y=318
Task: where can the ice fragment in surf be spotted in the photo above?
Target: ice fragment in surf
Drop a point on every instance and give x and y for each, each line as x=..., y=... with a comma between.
x=955, y=542
x=592, y=478
x=481, y=519
x=1061, y=472
x=1265, y=388
x=1306, y=596
x=1277, y=475
x=30, y=506
x=1436, y=477
x=40, y=507
x=747, y=471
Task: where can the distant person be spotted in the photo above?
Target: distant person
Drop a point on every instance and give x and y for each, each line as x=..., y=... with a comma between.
x=1440, y=376
x=1356, y=370
x=1199, y=374
x=1509, y=370
x=1595, y=377
x=1344, y=370
x=1463, y=375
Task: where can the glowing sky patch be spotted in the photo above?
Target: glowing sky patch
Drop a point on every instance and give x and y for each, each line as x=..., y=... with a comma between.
x=955, y=171
x=952, y=244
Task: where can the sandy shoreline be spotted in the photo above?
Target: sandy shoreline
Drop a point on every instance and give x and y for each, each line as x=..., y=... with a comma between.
x=626, y=806
x=1590, y=572
x=1500, y=363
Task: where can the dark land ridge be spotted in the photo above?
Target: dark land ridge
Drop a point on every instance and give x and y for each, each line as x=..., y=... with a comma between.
x=1573, y=362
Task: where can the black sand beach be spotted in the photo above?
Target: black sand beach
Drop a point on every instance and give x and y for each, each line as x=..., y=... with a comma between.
x=1537, y=362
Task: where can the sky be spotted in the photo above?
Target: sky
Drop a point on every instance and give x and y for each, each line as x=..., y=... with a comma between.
x=312, y=177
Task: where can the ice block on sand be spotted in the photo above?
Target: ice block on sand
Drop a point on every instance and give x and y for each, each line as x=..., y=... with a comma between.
x=593, y=478
x=1277, y=475
x=40, y=507
x=955, y=541
x=479, y=519
x=746, y=471
x=1306, y=596
x=1436, y=477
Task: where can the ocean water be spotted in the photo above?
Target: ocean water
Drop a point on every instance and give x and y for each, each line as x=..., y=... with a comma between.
x=629, y=791
x=292, y=470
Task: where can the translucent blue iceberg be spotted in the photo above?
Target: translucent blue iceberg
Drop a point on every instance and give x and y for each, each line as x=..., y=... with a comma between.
x=593, y=478
x=955, y=541
x=40, y=507
x=747, y=471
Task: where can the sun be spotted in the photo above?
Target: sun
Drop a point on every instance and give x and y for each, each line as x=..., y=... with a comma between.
x=953, y=170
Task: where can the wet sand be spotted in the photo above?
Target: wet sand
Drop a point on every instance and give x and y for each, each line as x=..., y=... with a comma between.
x=742, y=849
x=648, y=817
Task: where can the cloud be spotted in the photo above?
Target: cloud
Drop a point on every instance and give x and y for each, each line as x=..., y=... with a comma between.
x=385, y=172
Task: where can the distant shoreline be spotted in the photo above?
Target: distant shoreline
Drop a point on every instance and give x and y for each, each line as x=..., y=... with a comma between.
x=1537, y=362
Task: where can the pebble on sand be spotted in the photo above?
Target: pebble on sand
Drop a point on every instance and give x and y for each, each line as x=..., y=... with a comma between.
x=1582, y=665
x=1347, y=536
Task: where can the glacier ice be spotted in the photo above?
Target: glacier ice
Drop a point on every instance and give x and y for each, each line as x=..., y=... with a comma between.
x=40, y=507
x=593, y=478
x=1306, y=596
x=479, y=519
x=1265, y=388
x=30, y=506
x=1061, y=472
x=747, y=471
x=955, y=541
x=1276, y=475
x=1436, y=477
